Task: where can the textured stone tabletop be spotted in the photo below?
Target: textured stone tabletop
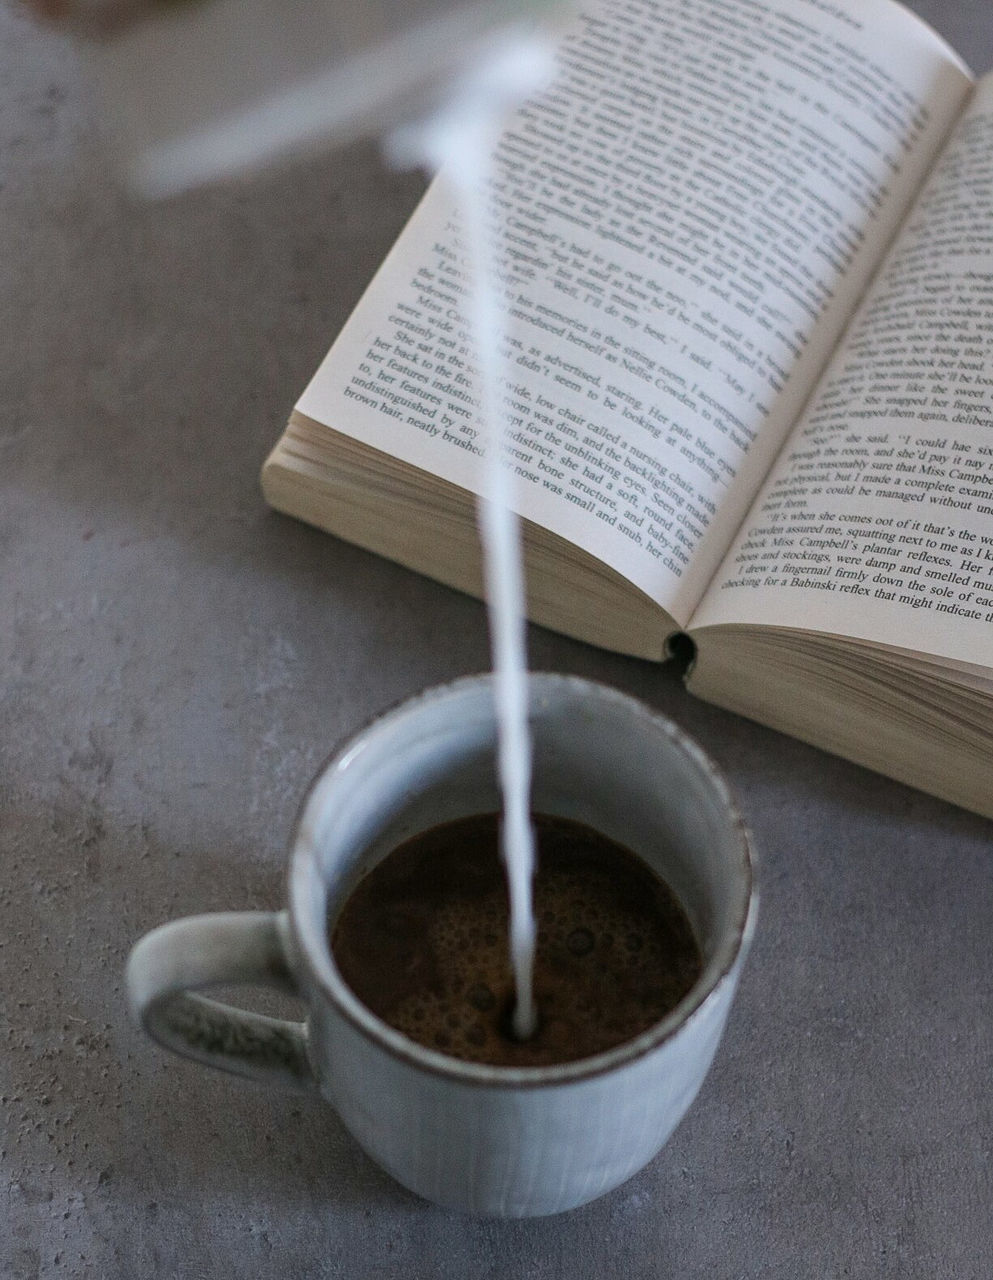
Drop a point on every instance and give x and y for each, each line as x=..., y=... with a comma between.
x=175, y=661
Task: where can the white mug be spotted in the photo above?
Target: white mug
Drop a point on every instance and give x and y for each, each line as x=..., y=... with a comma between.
x=504, y=1141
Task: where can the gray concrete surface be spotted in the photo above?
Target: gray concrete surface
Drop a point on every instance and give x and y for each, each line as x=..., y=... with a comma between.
x=175, y=660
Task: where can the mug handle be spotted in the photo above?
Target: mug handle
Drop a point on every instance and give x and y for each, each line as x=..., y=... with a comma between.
x=169, y=963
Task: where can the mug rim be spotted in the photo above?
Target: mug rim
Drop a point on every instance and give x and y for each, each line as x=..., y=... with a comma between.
x=318, y=959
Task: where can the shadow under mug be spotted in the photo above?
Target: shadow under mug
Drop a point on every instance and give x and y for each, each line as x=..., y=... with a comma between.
x=504, y=1141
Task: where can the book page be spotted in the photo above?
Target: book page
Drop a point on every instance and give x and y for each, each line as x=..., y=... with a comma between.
x=689, y=215
x=877, y=522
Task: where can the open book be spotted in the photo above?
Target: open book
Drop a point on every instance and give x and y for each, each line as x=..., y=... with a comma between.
x=748, y=262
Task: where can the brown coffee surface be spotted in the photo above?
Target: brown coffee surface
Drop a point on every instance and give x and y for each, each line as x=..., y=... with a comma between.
x=422, y=941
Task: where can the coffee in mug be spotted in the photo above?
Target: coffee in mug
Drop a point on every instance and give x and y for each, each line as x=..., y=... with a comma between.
x=422, y=940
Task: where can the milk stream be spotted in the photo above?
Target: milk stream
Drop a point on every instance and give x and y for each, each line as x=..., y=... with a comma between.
x=462, y=135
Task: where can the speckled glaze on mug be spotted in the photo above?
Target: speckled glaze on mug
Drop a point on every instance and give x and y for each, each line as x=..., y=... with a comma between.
x=487, y=1140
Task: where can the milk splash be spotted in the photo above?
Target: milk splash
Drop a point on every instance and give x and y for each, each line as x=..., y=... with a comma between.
x=462, y=135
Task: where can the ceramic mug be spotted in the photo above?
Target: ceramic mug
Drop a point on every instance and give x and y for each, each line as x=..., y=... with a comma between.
x=491, y=1140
